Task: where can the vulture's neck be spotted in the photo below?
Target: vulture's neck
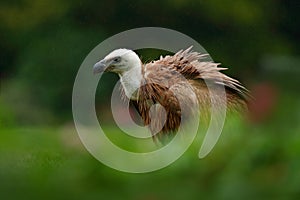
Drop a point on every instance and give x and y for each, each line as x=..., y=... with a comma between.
x=131, y=81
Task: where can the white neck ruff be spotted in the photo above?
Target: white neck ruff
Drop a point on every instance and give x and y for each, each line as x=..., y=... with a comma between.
x=131, y=81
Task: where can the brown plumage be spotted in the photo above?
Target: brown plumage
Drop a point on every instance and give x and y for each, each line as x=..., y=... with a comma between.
x=166, y=81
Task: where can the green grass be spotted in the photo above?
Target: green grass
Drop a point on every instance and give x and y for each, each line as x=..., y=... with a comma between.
x=52, y=163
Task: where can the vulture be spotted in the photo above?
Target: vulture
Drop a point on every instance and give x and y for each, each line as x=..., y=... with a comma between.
x=157, y=82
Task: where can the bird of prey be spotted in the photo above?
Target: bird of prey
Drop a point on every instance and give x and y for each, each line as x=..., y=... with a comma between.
x=170, y=81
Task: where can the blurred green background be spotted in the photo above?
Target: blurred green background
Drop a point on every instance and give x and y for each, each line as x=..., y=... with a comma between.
x=43, y=43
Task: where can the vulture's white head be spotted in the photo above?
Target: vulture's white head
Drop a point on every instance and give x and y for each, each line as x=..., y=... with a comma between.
x=127, y=64
x=119, y=61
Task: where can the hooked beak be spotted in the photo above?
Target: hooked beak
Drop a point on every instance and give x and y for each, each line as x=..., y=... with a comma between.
x=100, y=66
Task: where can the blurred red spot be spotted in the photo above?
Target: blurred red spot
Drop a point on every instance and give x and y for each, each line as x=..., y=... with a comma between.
x=265, y=97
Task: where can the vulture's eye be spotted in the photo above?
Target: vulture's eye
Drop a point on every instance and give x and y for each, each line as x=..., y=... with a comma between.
x=118, y=59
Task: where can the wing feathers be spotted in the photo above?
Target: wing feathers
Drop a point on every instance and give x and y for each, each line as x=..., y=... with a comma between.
x=189, y=64
x=161, y=75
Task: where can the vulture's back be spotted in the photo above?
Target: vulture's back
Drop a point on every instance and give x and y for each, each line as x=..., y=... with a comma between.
x=172, y=80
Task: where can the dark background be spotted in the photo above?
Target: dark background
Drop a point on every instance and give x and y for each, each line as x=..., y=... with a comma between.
x=42, y=46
